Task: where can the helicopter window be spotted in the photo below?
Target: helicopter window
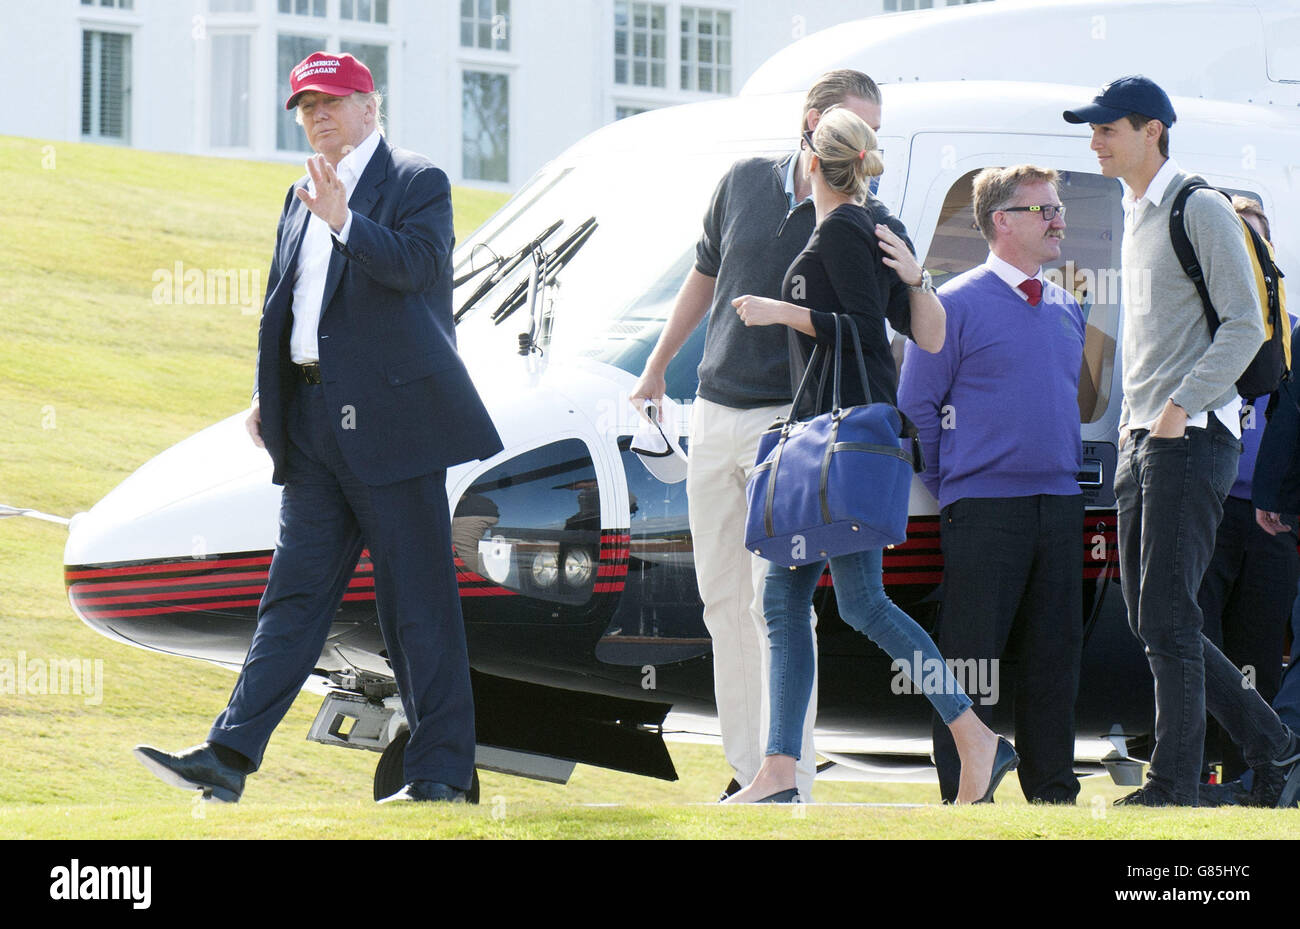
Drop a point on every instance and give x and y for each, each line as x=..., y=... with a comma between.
x=1090, y=270
x=541, y=184
x=609, y=302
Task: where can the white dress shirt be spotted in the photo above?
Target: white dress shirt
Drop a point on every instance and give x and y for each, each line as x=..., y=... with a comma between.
x=314, y=257
x=1230, y=413
x=1012, y=275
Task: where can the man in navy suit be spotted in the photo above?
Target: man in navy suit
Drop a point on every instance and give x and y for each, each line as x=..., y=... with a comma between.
x=363, y=403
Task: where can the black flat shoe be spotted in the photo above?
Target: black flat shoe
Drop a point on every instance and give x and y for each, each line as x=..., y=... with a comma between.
x=782, y=796
x=1004, y=760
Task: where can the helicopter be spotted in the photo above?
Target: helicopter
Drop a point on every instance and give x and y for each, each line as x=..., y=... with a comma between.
x=574, y=561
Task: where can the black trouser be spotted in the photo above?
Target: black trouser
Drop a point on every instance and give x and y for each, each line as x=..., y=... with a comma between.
x=1246, y=600
x=1170, y=494
x=1013, y=587
x=326, y=515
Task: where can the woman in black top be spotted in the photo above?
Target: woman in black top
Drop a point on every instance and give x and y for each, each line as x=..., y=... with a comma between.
x=857, y=262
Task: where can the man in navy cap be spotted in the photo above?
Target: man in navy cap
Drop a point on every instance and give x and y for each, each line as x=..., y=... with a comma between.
x=1179, y=445
x=362, y=403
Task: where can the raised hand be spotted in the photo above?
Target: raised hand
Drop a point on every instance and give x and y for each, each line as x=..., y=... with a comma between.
x=331, y=200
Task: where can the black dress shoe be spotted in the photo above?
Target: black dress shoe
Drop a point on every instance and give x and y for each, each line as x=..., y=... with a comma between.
x=427, y=792
x=1148, y=795
x=732, y=788
x=1232, y=793
x=1004, y=760
x=196, y=768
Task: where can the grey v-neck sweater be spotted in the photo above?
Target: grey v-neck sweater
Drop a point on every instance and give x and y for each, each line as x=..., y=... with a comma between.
x=1168, y=353
x=750, y=238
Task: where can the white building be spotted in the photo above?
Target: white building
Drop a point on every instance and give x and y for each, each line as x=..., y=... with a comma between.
x=490, y=89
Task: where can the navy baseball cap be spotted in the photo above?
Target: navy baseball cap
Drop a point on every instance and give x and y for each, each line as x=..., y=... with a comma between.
x=1121, y=97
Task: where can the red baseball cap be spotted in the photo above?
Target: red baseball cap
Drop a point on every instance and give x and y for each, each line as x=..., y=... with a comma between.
x=338, y=75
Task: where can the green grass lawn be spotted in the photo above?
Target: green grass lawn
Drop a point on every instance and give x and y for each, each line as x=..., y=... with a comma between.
x=96, y=378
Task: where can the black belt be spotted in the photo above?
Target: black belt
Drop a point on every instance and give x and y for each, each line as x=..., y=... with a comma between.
x=309, y=373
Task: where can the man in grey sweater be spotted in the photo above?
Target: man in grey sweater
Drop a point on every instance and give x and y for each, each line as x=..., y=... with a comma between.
x=1179, y=445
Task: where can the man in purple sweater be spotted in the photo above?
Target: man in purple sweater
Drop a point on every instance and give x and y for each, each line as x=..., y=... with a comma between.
x=998, y=414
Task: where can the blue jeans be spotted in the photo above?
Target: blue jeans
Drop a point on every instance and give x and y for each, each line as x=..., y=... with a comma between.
x=1170, y=494
x=863, y=604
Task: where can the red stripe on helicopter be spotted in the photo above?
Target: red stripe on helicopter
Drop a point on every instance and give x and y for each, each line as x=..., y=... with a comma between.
x=92, y=587
x=174, y=608
x=189, y=565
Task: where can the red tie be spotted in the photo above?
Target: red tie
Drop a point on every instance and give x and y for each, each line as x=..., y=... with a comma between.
x=1033, y=289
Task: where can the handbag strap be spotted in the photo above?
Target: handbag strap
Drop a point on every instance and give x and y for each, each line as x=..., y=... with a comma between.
x=847, y=320
x=909, y=430
x=804, y=383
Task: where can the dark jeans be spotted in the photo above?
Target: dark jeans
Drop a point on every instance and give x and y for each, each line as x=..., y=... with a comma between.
x=1246, y=599
x=1170, y=494
x=1013, y=587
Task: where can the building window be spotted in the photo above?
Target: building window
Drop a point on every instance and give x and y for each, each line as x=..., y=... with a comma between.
x=485, y=122
x=640, y=44
x=897, y=6
x=623, y=112
x=106, y=86
x=230, y=6
x=374, y=57
x=485, y=24
x=113, y=4
x=706, y=50
x=290, y=49
x=231, y=69
x=365, y=11
x=303, y=8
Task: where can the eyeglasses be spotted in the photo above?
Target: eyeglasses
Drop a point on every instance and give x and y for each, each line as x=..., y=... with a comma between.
x=807, y=140
x=1048, y=211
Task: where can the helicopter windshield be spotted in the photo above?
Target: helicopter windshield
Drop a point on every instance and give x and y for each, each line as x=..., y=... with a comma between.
x=612, y=298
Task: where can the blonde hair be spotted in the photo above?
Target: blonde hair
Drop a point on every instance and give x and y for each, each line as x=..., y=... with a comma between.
x=847, y=149
x=995, y=188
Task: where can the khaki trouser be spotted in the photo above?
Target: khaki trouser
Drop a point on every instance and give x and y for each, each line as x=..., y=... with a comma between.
x=723, y=444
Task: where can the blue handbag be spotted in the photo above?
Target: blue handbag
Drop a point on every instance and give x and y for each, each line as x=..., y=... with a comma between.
x=836, y=483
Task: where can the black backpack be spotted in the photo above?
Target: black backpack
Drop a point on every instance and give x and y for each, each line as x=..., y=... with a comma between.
x=1272, y=363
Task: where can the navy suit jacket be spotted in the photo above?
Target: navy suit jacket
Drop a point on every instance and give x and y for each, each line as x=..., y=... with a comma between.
x=401, y=400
